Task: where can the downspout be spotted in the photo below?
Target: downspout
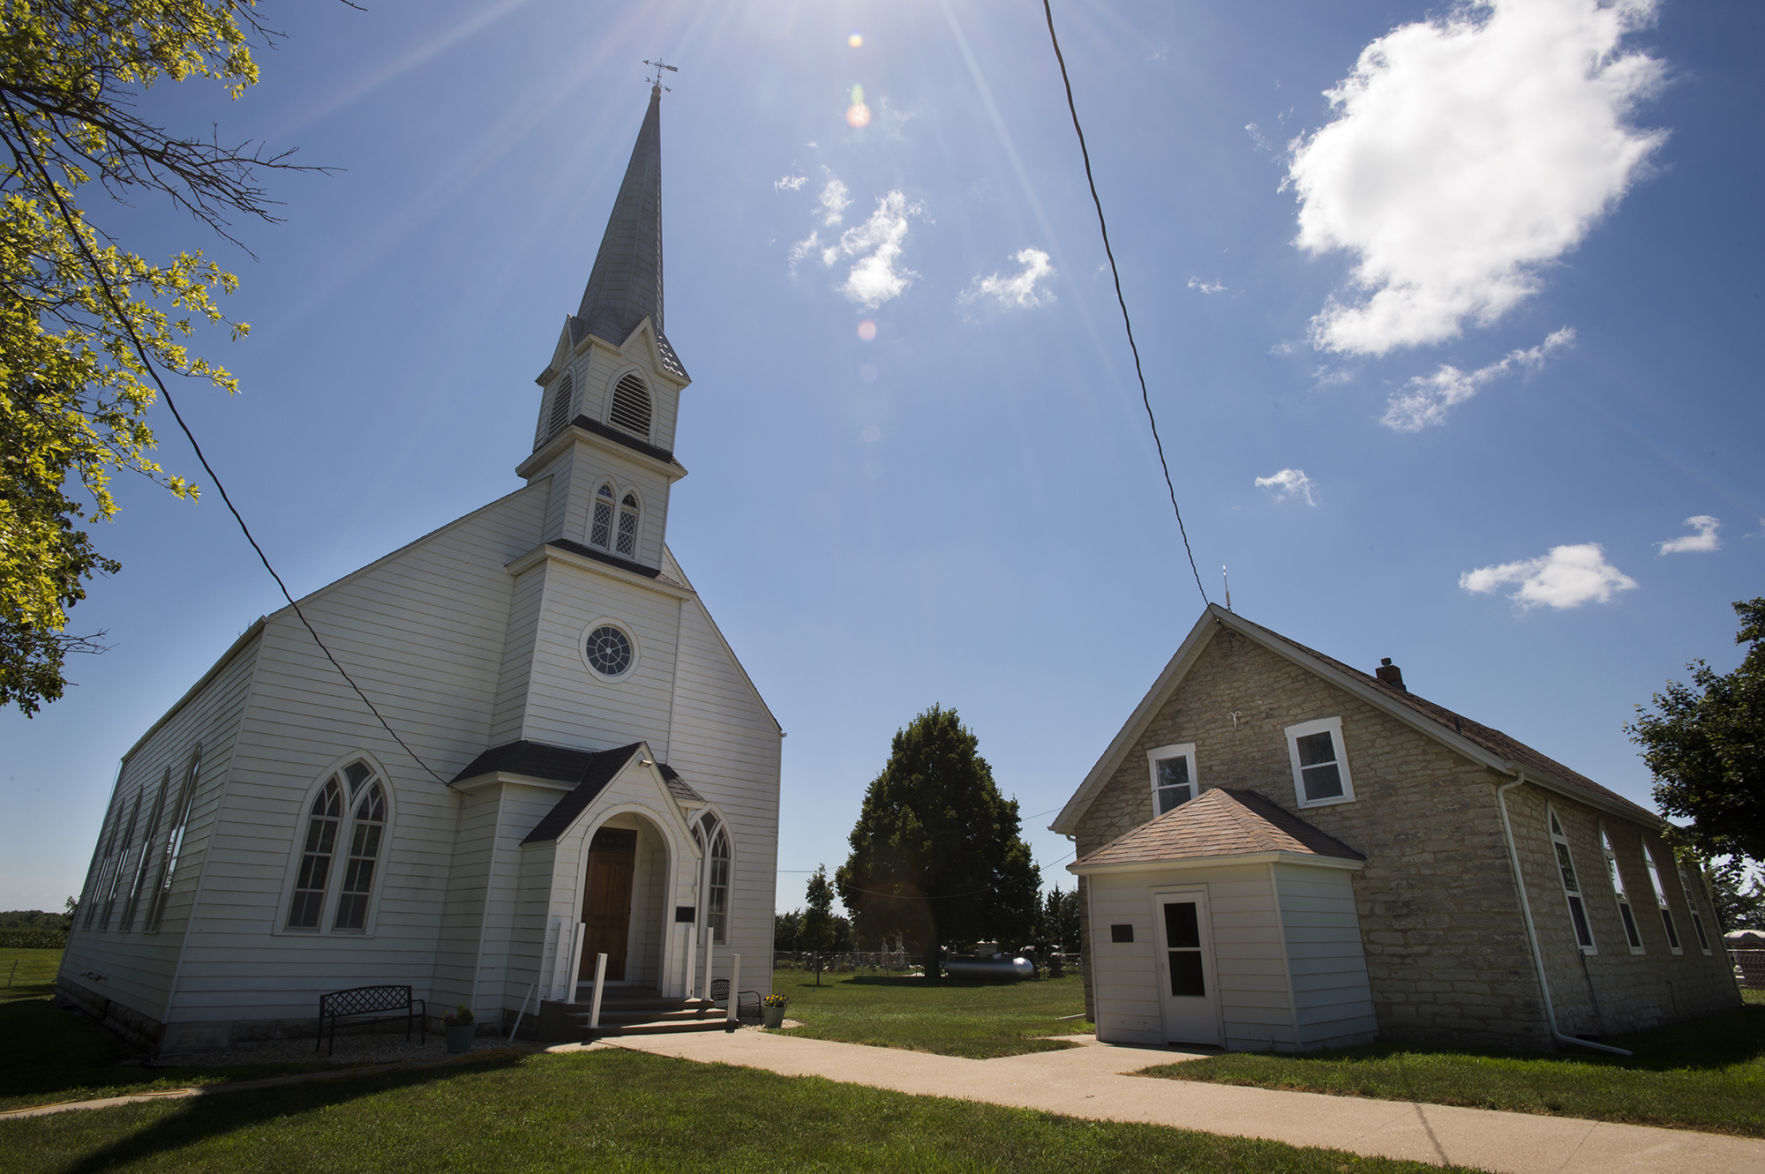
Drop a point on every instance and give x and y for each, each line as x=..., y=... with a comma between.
x=1544, y=987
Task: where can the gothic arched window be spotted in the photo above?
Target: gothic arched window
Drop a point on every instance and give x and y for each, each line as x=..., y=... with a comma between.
x=349, y=812
x=627, y=541
x=713, y=841
x=600, y=530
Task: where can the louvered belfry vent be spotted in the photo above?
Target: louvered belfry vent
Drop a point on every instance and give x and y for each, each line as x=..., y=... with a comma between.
x=563, y=405
x=631, y=406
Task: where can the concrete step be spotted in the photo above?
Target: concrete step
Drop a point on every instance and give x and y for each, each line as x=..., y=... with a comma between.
x=658, y=1027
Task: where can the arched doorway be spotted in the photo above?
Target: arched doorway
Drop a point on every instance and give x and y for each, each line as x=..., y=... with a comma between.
x=624, y=901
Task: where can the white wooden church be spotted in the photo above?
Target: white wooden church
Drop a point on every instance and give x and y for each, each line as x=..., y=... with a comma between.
x=589, y=770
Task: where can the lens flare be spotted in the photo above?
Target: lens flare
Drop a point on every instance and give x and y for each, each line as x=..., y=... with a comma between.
x=856, y=40
x=867, y=330
x=857, y=94
x=858, y=117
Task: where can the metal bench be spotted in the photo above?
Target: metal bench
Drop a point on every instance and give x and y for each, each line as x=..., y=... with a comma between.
x=720, y=998
x=374, y=1003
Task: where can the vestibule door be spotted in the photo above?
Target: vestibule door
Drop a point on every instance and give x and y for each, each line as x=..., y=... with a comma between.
x=606, y=901
x=1186, y=982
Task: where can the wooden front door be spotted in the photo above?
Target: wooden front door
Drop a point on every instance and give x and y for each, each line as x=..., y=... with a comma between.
x=606, y=901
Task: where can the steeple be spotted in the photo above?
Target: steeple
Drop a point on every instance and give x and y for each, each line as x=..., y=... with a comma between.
x=625, y=285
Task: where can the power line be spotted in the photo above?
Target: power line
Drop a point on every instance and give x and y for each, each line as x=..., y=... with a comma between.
x=153, y=372
x=1126, y=321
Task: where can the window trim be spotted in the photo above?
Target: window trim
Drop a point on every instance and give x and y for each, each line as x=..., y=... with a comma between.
x=629, y=502
x=334, y=873
x=1674, y=945
x=1691, y=905
x=649, y=430
x=138, y=883
x=122, y=863
x=1575, y=898
x=174, y=842
x=630, y=638
x=100, y=872
x=706, y=826
x=1183, y=750
x=1626, y=913
x=1322, y=725
x=608, y=492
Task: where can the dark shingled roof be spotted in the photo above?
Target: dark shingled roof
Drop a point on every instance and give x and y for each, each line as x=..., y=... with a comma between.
x=589, y=770
x=1492, y=740
x=625, y=285
x=1223, y=821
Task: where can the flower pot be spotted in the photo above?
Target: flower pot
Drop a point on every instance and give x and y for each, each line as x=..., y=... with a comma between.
x=772, y=1016
x=459, y=1037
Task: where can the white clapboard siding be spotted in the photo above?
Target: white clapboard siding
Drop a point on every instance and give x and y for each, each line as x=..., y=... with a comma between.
x=1124, y=975
x=1331, y=994
x=422, y=631
x=517, y=667
x=727, y=745
x=137, y=966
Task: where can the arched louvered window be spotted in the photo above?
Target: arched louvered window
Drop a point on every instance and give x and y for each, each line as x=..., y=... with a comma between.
x=315, y=857
x=349, y=816
x=1571, y=884
x=628, y=526
x=631, y=405
x=563, y=405
x=600, y=530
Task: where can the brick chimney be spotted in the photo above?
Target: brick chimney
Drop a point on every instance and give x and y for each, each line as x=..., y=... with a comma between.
x=1390, y=674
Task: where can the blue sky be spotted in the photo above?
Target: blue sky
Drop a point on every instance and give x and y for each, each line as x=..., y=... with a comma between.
x=1443, y=312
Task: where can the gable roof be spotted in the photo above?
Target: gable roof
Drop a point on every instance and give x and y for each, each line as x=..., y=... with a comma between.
x=589, y=770
x=625, y=285
x=1220, y=822
x=1481, y=743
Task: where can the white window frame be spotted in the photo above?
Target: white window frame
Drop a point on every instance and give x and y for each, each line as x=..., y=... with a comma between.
x=1648, y=858
x=138, y=883
x=1568, y=874
x=340, y=847
x=1322, y=725
x=635, y=508
x=1626, y=913
x=649, y=404
x=611, y=497
x=174, y=842
x=630, y=638
x=706, y=826
x=1691, y=905
x=1183, y=750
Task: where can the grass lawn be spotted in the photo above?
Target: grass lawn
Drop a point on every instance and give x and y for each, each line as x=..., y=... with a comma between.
x=952, y=1018
x=1708, y=1075
x=53, y=1055
x=614, y=1110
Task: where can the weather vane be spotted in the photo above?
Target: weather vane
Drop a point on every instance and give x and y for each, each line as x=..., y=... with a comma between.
x=659, y=65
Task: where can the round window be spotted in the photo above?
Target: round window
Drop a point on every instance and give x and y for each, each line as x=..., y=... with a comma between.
x=609, y=651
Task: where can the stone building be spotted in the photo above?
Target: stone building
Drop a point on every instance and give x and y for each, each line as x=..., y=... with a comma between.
x=1278, y=851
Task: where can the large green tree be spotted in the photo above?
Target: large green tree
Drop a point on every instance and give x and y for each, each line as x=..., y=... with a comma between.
x=1705, y=743
x=818, y=932
x=82, y=318
x=936, y=854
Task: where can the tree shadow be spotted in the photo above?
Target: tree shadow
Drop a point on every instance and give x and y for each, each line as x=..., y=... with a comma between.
x=226, y=1109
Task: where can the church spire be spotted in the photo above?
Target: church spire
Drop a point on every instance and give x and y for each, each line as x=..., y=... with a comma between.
x=625, y=285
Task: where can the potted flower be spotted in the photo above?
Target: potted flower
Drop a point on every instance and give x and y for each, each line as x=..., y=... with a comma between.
x=461, y=1027
x=772, y=1010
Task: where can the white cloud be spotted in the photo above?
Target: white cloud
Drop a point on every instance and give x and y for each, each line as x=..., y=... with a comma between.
x=1704, y=540
x=804, y=247
x=1256, y=137
x=1018, y=290
x=1288, y=483
x=835, y=199
x=1468, y=153
x=1425, y=398
x=790, y=183
x=877, y=276
x=1568, y=576
x=1206, y=287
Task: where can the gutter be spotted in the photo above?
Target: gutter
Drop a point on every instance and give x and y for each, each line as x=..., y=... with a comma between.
x=1550, y=1012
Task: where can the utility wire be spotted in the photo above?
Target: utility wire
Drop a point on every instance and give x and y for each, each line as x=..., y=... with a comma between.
x=1126, y=321
x=153, y=372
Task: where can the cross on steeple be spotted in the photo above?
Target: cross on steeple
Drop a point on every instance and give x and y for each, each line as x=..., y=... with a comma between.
x=659, y=65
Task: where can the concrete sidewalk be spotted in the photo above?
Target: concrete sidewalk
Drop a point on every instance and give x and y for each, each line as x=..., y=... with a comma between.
x=1091, y=1082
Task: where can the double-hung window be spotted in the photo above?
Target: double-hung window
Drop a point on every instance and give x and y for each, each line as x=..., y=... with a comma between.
x=1320, y=763
x=1571, y=884
x=1648, y=858
x=1691, y=903
x=1173, y=776
x=1623, y=898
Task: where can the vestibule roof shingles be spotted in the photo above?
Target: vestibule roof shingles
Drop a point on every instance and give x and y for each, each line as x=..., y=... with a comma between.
x=589, y=770
x=1221, y=822
x=1495, y=749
